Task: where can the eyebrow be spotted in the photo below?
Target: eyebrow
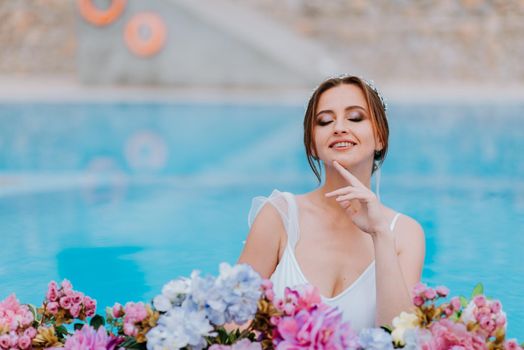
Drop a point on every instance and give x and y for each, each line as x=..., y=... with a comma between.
x=329, y=111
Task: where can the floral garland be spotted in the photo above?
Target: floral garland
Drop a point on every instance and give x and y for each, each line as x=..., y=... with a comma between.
x=198, y=313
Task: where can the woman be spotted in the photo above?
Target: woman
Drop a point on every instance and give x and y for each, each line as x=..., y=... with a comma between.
x=361, y=255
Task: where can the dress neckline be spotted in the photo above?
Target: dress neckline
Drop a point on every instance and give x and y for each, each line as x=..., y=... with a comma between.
x=291, y=250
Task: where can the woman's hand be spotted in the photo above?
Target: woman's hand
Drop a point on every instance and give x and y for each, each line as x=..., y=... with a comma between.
x=361, y=204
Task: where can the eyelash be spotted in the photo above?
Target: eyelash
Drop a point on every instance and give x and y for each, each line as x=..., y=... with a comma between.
x=356, y=120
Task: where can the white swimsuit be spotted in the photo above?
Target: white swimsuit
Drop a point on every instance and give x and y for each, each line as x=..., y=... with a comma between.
x=357, y=302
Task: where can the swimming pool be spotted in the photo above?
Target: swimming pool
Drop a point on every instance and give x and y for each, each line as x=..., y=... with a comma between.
x=121, y=197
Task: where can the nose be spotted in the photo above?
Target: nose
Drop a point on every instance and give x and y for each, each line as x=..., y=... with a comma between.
x=340, y=126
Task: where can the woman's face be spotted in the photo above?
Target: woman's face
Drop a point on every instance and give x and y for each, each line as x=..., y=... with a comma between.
x=343, y=128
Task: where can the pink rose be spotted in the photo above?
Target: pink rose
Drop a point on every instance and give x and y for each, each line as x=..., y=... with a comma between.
x=512, y=345
x=52, y=307
x=66, y=286
x=419, y=288
x=90, y=305
x=496, y=306
x=65, y=302
x=130, y=329
x=52, y=291
x=5, y=341
x=77, y=298
x=418, y=301
x=430, y=294
x=30, y=332
x=24, y=342
x=455, y=303
x=442, y=291
x=75, y=310
x=117, y=310
x=479, y=300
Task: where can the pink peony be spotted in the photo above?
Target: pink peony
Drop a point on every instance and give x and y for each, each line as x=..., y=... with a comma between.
x=319, y=328
x=447, y=334
x=88, y=338
x=307, y=323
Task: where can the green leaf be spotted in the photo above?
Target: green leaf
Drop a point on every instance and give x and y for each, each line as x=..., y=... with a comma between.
x=78, y=326
x=387, y=329
x=61, y=331
x=131, y=343
x=463, y=301
x=97, y=321
x=478, y=290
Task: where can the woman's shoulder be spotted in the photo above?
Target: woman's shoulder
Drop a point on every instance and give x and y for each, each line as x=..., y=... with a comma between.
x=407, y=230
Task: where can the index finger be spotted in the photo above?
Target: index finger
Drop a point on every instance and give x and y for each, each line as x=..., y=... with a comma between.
x=352, y=179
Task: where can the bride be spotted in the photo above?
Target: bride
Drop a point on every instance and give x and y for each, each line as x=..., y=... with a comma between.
x=363, y=256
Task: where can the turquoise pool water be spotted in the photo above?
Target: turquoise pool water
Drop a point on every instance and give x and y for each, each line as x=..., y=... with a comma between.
x=120, y=198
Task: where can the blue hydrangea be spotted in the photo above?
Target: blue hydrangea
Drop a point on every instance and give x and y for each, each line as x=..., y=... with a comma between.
x=240, y=289
x=233, y=296
x=179, y=328
x=375, y=339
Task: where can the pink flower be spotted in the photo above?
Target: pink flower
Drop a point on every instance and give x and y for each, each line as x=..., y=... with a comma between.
x=90, y=305
x=430, y=294
x=418, y=301
x=52, y=291
x=52, y=307
x=512, y=345
x=65, y=302
x=66, y=286
x=479, y=300
x=455, y=303
x=447, y=335
x=75, y=310
x=442, y=291
x=130, y=329
x=135, y=312
x=88, y=338
x=5, y=341
x=13, y=315
x=24, y=342
x=117, y=310
x=419, y=288
x=30, y=332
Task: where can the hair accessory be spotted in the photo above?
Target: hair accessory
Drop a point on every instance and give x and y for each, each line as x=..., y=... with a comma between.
x=371, y=84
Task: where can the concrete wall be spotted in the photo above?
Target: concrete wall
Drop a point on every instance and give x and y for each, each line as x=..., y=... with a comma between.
x=388, y=41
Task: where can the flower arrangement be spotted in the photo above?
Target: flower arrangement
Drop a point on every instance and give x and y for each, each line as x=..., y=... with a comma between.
x=238, y=310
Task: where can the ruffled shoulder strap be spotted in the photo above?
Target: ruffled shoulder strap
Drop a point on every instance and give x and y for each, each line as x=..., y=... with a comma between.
x=283, y=202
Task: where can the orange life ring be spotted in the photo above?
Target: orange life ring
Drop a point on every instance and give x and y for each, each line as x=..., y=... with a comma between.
x=96, y=16
x=155, y=39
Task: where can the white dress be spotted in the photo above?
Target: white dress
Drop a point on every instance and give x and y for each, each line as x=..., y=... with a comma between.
x=357, y=301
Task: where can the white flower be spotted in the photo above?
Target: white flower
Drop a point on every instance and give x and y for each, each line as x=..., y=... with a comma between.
x=402, y=323
x=467, y=315
x=173, y=289
x=162, y=303
x=179, y=328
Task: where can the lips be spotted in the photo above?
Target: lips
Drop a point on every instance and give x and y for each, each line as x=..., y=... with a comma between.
x=342, y=144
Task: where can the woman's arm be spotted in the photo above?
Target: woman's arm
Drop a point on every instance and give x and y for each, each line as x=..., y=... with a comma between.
x=262, y=248
x=399, y=258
